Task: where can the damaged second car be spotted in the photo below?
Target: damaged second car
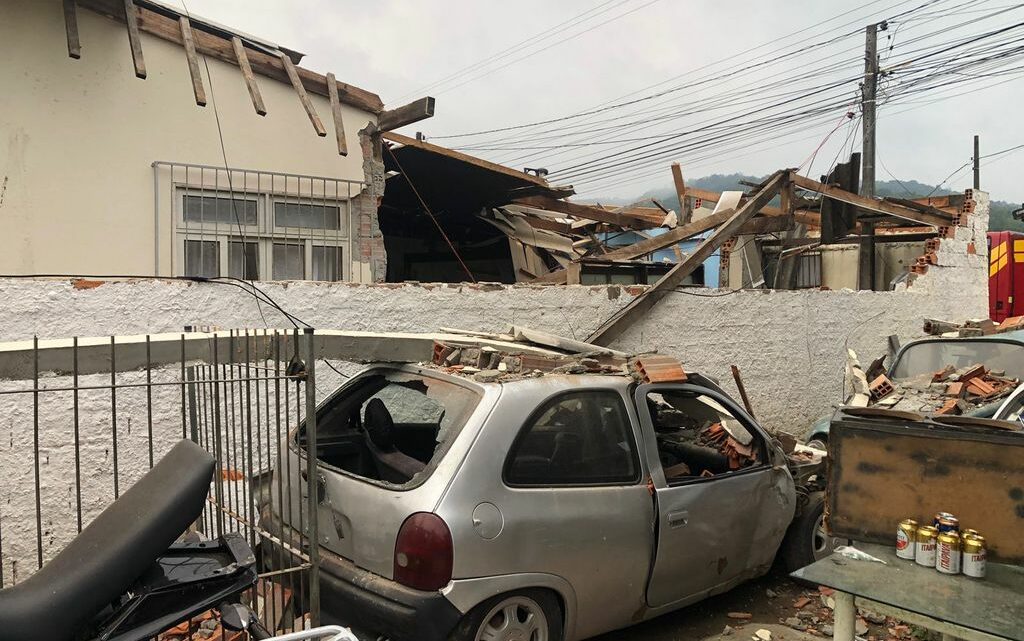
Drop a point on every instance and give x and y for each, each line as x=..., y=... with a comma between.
x=540, y=494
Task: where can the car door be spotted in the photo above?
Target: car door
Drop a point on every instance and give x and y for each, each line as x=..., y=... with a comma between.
x=724, y=497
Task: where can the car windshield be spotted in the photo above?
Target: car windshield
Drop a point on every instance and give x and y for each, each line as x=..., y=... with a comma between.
x=933, y=355
x=392, y=426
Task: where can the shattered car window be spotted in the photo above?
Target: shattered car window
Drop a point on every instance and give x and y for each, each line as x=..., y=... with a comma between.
x=392, y=426
x=698, y=437
x=933, y=355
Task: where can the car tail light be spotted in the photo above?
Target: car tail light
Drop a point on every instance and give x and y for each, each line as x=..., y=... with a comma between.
x=423, y=552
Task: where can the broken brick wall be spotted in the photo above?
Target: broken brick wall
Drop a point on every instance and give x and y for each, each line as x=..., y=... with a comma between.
x=372, y=257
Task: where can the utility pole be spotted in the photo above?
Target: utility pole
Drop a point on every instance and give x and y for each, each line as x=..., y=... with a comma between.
x=977, y=163
x=866, y=263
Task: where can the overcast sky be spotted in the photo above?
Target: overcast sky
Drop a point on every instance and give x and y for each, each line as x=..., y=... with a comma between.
x=588, y=53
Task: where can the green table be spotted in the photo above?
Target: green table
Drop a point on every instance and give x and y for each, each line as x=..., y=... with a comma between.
x=957, y=606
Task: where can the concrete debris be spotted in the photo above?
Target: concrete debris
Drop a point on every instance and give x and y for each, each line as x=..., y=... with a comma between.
x=795, y=623
x=487, y=364
x=980, y=327
x=763, y=635
x=727, y=630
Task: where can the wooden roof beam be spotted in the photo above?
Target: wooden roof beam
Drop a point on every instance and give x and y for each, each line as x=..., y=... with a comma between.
x=339, y=123
x=188, y=41
x=458, y=155
x=264, y=62
x=242, y=60
x=406, y=114
x=131, y=18
x=307, y=104
x=71, y=27
x=677, y=179
x=933, y=217
x=589, y=212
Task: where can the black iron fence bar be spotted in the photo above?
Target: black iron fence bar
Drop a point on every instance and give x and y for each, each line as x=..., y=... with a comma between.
x=113, y=412
x=312, y=480
x=251, y=472
x=218, y=450
x=78, y=448
x=149, y=399
x=35, y=451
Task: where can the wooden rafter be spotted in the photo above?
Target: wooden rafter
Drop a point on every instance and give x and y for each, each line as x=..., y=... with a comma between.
x=71, y=26
x=677, y=178
x=131, y=18
x=457, y=155
x=242, y=59
x=932, y=216
x=590, y=212
x=613, y=328
x=218, y=46
x=307, y=104
x=803, y=217
x=339, y=122
x=406, y=114
x=193, y=61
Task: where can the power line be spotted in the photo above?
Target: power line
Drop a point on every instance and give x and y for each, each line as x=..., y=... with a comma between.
x=558, y=28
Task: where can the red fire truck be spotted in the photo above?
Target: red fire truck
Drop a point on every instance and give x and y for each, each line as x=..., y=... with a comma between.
x=1005, y=274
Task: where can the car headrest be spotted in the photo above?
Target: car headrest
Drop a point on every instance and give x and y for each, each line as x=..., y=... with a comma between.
x=379, y=425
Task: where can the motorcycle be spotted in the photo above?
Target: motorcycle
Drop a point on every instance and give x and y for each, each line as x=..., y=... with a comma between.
x=126, y=577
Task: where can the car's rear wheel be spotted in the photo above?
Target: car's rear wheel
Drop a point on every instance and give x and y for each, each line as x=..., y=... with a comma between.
x=527, y=615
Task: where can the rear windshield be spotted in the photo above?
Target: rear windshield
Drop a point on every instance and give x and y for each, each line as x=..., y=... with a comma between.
x=932, y=356
x=392, y=426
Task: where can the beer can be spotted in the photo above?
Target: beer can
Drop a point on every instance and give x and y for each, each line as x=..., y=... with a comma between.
x=924, y=545
x=974, y=554
x=968, y=532
x=905, y=538
x=947, y=553
x=948, y=523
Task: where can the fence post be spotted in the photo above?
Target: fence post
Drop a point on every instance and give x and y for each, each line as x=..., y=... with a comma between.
x=313, y=481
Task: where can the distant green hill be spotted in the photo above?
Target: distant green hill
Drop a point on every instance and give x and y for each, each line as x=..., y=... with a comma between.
x=999, y=217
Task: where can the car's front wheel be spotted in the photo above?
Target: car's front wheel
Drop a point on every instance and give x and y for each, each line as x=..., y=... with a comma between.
x=527, y=615
x=807, y=539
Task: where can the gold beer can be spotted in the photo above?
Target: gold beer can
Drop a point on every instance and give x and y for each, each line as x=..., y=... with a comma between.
x=924, y=545
x=905, y=538
x=947, y=553
x=974, y=554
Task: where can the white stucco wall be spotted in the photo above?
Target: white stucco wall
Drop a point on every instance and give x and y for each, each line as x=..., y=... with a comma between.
x=78, y=137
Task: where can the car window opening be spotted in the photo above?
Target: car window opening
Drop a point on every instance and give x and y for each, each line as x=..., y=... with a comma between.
x=697, y=437
x=392, y=427
x=579, y=438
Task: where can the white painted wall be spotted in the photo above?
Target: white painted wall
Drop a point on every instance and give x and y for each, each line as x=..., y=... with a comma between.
x=78, y=137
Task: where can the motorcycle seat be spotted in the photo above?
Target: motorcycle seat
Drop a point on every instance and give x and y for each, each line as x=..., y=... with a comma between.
x=117, y=547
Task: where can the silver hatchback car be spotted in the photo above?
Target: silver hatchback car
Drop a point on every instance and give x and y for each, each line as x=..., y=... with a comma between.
x=538, y=508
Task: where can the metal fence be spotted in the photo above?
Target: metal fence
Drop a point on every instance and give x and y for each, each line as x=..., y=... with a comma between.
x=86, y=418
x=251, y=224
